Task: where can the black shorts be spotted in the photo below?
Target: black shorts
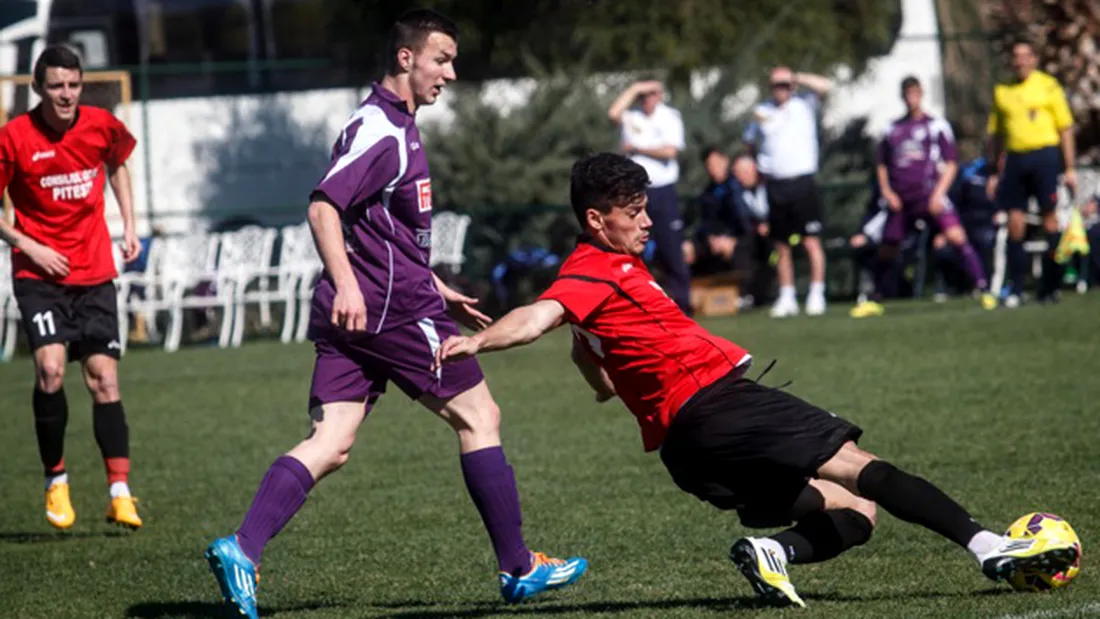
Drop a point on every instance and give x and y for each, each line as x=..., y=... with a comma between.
x=1033, y=174
x=739, y=445
x=85, y=317
x=794, y=207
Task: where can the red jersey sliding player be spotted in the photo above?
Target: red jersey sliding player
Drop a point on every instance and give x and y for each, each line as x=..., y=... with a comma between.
x=770, y=456
x=54, y=161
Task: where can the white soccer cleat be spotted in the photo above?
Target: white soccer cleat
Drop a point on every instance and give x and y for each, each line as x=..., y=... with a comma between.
x=784, y=308
x=815, y=305
x=766, y=571
x=1043, y=554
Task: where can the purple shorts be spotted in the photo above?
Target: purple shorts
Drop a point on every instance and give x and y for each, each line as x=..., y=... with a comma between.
x=900, y=224
x=356, y=368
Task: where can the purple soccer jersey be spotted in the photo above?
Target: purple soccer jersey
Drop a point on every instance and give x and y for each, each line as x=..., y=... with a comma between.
x=912, y=150
x=378, y=179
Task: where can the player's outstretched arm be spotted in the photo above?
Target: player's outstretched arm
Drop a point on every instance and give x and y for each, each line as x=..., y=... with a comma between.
x=593, y=374
x=461, y=307
x=348, y=308
x=520, y=326
x=119, y=178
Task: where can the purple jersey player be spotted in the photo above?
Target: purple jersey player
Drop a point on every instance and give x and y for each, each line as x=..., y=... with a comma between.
x=916, y=165
x=379, y=314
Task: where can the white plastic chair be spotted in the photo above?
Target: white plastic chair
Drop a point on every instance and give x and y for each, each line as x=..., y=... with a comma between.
x=246, y=257
x=299, y=267
x=123, y=286
x=9, y=310
x=178, y=265
x=448, y=239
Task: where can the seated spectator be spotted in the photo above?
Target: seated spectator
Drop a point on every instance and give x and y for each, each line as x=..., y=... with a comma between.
x=711, y=249
x=752, y=202
x=733, y=215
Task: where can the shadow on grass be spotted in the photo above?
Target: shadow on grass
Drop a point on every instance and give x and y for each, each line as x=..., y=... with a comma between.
x=163, y=610
x=473, y=610
x=905, y=595
x=45, y=537
x=485, y=609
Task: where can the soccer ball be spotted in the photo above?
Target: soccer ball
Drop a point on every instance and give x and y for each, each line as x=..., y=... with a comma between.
x=1049, y=526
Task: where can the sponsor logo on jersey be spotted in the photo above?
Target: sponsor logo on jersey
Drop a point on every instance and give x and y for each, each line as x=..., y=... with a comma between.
x=43, y=154
x=414, y=146
x=71, y=186
x=424, y=195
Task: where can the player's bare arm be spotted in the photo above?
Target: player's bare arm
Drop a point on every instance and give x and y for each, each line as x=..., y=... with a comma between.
x=461, y=307
x=663, y=153
x=820, y=84
x=593, y=374
x=49, y=260
x=625, y=99
x=520, y=326
x=937, y=202
x=1069, y=155
x=119, y=178
x=348, y=308
x=888, y=194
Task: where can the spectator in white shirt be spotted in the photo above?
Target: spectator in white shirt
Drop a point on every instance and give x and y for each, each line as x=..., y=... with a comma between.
x=783, y=136
x=653, y=136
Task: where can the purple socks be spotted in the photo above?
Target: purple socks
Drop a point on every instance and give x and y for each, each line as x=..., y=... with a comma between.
x=492, y=486
x=281, y=494
x=489, y=479
x=973, y=266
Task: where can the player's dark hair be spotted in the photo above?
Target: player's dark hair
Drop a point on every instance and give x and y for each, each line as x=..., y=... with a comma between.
x=710, y=150
x=909, y=82
x=57, y=56
x=412, y=29
x=604, y=180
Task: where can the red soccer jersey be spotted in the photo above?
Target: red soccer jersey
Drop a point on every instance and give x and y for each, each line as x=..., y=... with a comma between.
x=56, y=183
x=656, y=357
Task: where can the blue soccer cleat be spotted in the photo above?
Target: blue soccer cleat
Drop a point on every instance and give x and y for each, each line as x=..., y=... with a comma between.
x=236, y=575
x=546, y=573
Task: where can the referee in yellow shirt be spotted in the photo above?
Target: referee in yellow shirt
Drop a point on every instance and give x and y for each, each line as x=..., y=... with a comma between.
x=1031, y=131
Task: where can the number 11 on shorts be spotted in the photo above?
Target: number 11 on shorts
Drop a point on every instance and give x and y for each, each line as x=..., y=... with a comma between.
x=44, y=322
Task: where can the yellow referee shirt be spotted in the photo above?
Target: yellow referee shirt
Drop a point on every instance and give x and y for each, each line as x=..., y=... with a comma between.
x=1031, y=114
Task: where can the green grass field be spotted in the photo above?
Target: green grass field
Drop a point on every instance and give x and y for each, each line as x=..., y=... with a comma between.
x=999, y=409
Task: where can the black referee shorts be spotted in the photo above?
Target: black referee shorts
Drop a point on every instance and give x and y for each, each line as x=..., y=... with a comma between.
x=84, y=317
x=742, y=446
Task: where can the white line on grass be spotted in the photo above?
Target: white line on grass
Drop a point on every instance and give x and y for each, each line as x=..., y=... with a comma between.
x=1079, y=611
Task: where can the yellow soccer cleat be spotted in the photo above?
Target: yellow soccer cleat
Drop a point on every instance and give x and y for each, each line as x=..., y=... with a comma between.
x=867, y=309
x=989, y=302
x=59, y=509
x=766, y=572
x=123, y=512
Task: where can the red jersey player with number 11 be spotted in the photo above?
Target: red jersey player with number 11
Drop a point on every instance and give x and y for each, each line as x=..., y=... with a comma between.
x=54, y=161
x=770, y=456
